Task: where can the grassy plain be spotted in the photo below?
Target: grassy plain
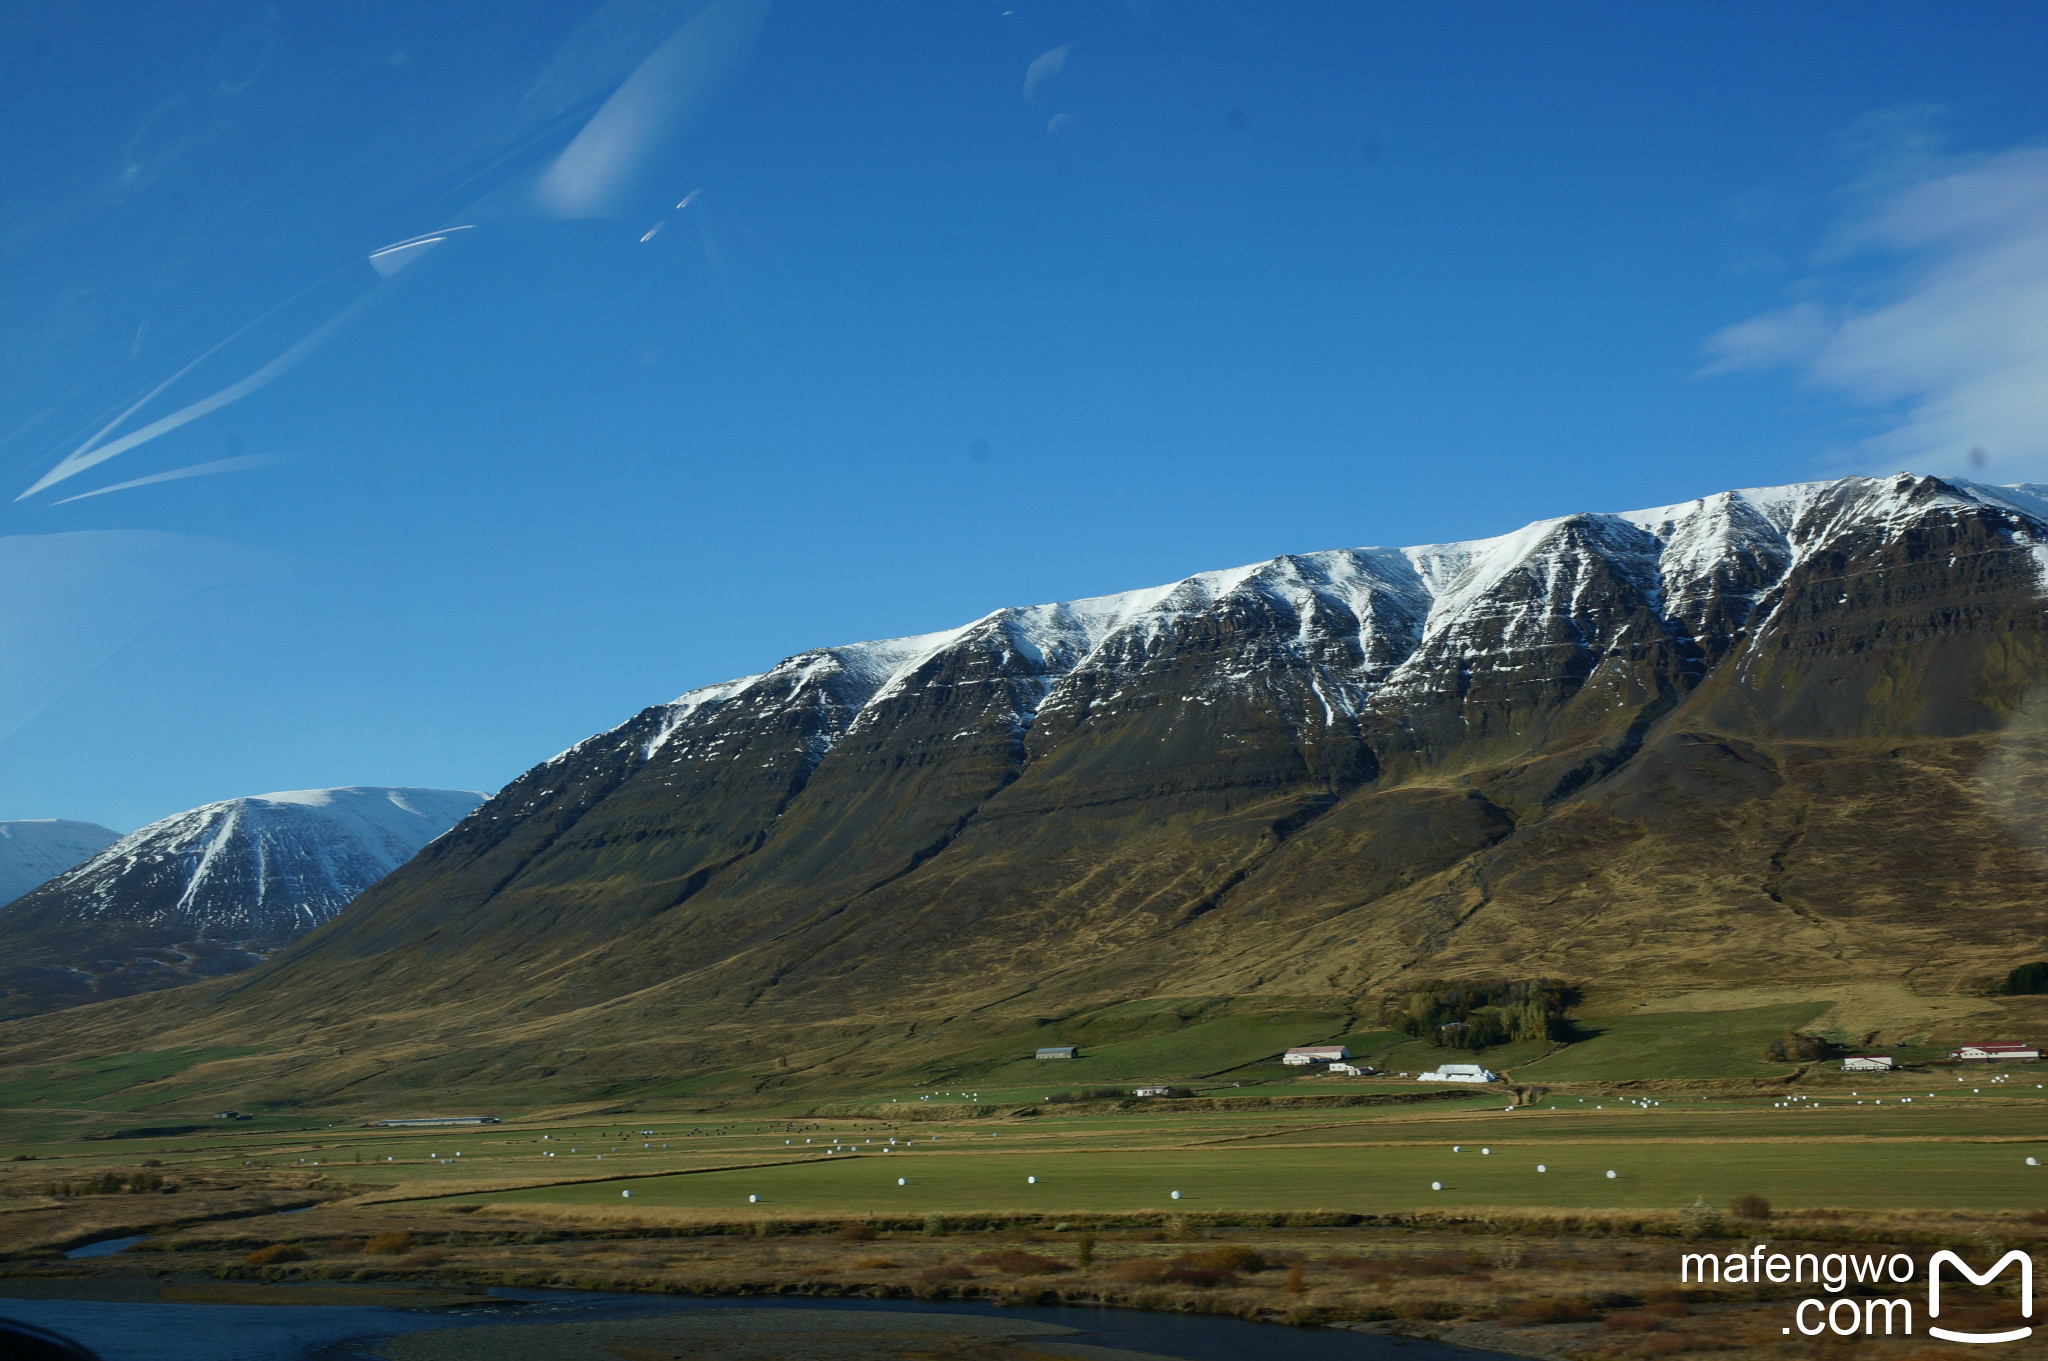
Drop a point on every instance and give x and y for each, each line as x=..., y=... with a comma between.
x=1892, y=1142
x=1423, y=1212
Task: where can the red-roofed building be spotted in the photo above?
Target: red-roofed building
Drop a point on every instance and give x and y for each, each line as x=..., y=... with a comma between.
x=1990, y=1052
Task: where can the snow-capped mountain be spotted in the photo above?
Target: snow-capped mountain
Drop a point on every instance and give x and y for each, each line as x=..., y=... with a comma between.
x=218, y=887
x=1747, y=741
x=1119, y=767
x=36, y=850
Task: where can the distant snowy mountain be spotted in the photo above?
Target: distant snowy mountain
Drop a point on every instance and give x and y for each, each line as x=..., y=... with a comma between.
x=37, y=850
x=212, y=890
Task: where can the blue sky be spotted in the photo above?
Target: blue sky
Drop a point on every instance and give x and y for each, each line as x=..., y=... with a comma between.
x=967, y=305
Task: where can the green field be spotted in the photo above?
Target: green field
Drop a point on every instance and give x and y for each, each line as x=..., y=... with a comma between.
x=1708, y=1117
x=1358, y=1180
x=117, y=1082
x=1962, y=1149
x=1714, y=1044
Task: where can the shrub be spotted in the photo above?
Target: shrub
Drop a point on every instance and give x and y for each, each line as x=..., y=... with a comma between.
x=1548, y=1311
x=1195, y=1275
x=1228, y=1257
x=1377, y=1270
x=275, y=1253
x=1751, y=1207
x=1085, y=1256
x=1633, y=1321
x=939, y=1275
x=856, y=1233
x=395, y=1243
x=1295, y=1285
x=1699, y=1219
x=2038, y=1217
x=1137, y=1269
x=874, y=1264
x=934, y=1224
x=1017, y=1262
x=424, y=1257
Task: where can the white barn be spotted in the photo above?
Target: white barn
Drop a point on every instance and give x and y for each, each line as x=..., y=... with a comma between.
x=1868, y=1063
x=1303, y=1054
x=1459, y=1072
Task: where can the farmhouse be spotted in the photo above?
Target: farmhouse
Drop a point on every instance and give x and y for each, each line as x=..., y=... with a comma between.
x=1315, y=1053
x=1868, y=1063
x=1352, y=1069
x=1059, y=1051
x=1985, y=1053
x=1155, y=1091
x=1459, y=1072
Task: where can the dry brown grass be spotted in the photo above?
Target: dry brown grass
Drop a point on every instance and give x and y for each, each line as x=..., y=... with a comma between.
x=1015, y=1262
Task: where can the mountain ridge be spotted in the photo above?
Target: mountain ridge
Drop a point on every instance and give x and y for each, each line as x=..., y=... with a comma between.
x=1741, y=741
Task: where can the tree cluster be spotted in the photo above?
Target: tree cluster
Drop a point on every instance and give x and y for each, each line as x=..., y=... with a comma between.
x=1798, y=1049
x=1477, y=1015
x=2027, y=980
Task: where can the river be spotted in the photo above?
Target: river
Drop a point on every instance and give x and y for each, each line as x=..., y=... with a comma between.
x=232, y=1332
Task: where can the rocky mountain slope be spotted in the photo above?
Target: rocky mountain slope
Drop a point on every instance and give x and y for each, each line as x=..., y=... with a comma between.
x=209, y=891
x=1761, y=738
x=34, y=851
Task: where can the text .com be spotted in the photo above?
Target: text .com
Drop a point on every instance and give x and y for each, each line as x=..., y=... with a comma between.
x=1865, y=1314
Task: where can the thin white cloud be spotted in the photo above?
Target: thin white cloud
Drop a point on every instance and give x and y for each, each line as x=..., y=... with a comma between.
x=1950, y=344
x=243, y=463
x=1043, y=68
